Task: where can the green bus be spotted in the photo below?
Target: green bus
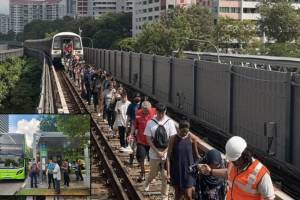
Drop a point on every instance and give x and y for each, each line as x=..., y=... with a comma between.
x=12, y=156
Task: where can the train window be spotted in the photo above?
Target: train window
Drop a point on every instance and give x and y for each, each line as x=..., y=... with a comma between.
x=57, y=43
x=77, y=43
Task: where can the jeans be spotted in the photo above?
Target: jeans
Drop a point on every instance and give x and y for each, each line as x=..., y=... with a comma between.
x=50, y=179
x=88, y=92
x=122, y=135
x=33, y=176
x=78, y=175
x=66, y=179
x=57, y=186
x=110, y=116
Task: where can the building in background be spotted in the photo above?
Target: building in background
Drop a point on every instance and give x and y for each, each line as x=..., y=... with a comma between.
x=4, y=23
x=4, y=123
x=24, y=11
x=71, y=7
x=84, y=8
x=236, y=9
x=146, y=11
x=100, y=7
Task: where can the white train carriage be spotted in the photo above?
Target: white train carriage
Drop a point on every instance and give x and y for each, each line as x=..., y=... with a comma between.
x=62, y=39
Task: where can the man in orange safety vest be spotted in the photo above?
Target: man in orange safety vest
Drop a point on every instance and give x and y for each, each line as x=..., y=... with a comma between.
x=248, y=178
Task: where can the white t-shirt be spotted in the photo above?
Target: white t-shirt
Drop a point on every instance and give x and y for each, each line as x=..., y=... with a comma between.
x=108, y=96
x=265, y=187
x=151, y=128
x=56, y=172
x=121, y=117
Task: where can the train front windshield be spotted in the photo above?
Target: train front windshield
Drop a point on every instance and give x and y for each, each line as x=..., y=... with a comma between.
x=60, y=42
x=77, y=43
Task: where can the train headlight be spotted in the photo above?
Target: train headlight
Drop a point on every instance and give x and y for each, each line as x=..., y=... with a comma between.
x=56, y=52
x=78, y=52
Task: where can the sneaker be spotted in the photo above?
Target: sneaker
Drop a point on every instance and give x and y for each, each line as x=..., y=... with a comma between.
x=122, y=149
x=128, y=150
x=147, y=187
x=141, y=178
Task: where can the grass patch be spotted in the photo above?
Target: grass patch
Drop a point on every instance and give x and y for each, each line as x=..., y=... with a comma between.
x=63, y=192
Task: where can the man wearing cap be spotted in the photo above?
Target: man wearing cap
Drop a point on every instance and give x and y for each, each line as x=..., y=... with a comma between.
x=247, y=177
x=158, y=155
x=143, y=116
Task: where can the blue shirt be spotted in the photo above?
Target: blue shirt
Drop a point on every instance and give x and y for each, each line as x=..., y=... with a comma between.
x=131, y=111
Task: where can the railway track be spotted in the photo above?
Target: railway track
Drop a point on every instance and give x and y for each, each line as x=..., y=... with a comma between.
x=73, y=100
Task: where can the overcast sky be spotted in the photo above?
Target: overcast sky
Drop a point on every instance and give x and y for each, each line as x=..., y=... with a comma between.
x=4, y=6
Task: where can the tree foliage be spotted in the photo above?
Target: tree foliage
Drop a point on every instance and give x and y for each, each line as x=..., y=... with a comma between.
x=48, y=123
x=75, y=126
x=229, y=31
x=19, y=85
x=279, y=20
x=173, y=30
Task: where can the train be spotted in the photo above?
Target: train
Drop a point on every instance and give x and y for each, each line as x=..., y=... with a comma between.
x=54, y=47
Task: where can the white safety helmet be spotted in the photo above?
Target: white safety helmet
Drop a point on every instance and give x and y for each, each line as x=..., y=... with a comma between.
x=235, y=147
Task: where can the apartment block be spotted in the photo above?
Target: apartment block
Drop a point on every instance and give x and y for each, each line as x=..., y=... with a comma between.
x=100, y=7
x=4, y=23
x=84, y=8
x=71, y=7
x=147, y=11
x=24, y=11
x=237, y=9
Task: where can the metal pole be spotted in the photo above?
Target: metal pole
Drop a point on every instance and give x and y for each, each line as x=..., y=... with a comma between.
x=207, y=41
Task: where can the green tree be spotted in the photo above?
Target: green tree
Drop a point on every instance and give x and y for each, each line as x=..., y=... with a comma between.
x=228, y=31
x=48, y=123
x=127, y=44
x=173, y=30
x=75, y=126
x=279, y=20
x=19, y=85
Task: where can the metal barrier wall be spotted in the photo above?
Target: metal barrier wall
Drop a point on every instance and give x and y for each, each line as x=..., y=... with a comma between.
x=295, y=107
x=46, y=103
x=261, y=106
x=5, y=54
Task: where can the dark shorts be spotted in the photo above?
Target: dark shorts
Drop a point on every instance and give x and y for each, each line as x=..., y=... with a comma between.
x=141, y=152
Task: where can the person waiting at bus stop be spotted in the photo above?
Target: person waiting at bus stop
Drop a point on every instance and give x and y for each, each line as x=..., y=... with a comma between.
x=57, y=177
x=248, y=178
x=34, y=170
x=78, y=171
x=49, y=173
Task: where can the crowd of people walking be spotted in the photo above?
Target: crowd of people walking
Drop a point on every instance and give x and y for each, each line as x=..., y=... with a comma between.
x=148, y=133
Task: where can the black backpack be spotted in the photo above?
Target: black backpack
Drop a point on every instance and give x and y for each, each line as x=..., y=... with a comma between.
x=161, y=138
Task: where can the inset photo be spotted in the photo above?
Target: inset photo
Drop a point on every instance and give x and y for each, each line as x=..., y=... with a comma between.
x=42, y=155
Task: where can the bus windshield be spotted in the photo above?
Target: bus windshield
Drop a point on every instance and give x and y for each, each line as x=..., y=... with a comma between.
x=11, y=161
x=12, y=151
x=77, y=43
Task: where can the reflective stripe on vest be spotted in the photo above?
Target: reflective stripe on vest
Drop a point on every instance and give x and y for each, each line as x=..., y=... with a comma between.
x=250, y=187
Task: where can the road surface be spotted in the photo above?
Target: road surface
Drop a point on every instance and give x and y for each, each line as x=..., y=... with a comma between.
x=10, y=187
